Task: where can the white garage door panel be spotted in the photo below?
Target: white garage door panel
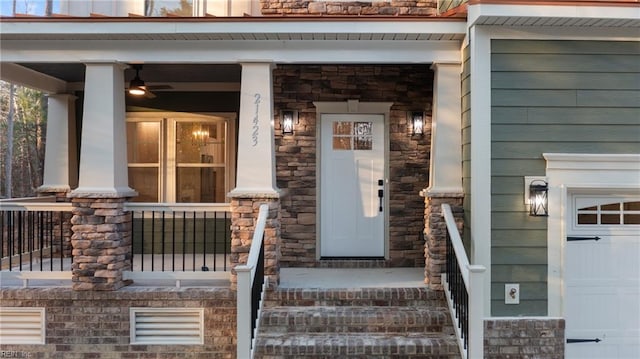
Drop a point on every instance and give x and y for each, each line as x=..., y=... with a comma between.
x=602, y=285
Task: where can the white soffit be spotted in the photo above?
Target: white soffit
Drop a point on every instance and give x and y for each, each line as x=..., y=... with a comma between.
x=555, y=15
x=256, y=29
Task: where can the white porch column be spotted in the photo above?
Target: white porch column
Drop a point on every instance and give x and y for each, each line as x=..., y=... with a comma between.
x=103, y=157
x=60, y=159
x=256, y=176
x=445, y=172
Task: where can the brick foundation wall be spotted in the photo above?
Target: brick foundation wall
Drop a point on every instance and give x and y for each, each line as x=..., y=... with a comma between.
x=91, y=324
x=520, y=338
x=409, y=87
x=353, y=8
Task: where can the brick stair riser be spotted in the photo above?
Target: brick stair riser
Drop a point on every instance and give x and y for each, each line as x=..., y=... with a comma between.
x=341, y=320
x=384, y=297
x=350, y=346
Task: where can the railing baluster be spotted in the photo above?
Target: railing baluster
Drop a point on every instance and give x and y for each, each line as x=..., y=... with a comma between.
x=173, y=240
x=142, y=221
x=193, y=255
x=162, y=236
x=204, y=241
x=184, y=238
x=215, y=240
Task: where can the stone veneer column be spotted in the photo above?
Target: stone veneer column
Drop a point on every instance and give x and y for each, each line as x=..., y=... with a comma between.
x=101, y=243
x=435, y=231
x=255, y=179
x=101, y=228
x=244, y=214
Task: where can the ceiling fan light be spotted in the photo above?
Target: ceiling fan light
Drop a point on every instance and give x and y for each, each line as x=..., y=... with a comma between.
x=137, y=87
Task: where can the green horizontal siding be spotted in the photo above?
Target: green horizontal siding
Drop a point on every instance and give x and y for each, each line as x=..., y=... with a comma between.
x=550, y=96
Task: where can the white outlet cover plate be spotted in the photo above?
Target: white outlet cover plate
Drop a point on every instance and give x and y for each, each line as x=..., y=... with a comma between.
x=508, y=299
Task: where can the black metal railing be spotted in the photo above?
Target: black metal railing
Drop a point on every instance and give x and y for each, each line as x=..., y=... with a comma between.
x=256, y=290
x=34, y=240
x=458, y=290
x=179, y=238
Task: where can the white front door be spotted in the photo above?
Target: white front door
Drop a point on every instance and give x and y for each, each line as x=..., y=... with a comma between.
x=352, y=185
x=602, y=277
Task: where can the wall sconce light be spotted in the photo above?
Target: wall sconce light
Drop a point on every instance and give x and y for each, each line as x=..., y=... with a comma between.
x=417, y=123
x=288, y=118
x=538, y=198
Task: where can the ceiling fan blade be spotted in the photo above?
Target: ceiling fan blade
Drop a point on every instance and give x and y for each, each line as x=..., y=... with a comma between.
x=159, y=87
x=149, y=94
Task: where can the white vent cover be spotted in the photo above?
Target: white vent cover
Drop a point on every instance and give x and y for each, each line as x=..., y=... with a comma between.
x=167, y=325
x=22, y=325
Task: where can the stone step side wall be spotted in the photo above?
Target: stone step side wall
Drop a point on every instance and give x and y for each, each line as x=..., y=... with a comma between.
x=92, y=324
x=349, y=8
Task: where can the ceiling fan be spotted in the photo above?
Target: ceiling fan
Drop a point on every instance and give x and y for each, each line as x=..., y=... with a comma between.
x=137, y=86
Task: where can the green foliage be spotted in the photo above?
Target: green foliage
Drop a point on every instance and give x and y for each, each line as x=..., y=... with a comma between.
x=27, y=139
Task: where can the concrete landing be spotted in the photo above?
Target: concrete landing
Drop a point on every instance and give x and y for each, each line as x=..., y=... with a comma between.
x=351, y=278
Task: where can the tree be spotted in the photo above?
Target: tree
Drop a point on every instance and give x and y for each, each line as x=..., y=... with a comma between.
x=185, y=9
x=22, y=139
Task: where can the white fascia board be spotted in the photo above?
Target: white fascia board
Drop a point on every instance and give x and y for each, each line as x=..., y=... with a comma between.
x=551, y=11
x=235, y=27
x=299, y=51
x=23, y=76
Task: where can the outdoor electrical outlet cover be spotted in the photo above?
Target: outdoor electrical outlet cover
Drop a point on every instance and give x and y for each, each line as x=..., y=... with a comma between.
x=512, y=293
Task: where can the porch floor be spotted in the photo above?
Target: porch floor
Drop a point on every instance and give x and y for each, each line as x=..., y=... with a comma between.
x=351, y=277
x=289, y=277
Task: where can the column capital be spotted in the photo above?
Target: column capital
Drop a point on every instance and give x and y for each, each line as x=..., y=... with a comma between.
x=434, y=66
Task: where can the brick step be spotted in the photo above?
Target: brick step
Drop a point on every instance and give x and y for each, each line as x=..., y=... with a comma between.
x=355, y=319
x=365, y=297
x=360, y=345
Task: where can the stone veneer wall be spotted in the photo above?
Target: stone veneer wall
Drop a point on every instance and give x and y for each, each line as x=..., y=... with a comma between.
x=409, y=87
x=244, y=215
x=91, y=324
x=354, y=8
x=435, y=251
x=521, y=338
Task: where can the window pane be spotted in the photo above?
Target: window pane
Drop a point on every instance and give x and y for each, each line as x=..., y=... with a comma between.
x=632, y=218
x=342, y=128
x=200, y=185
x=198, y=142
x=587, y=219
x=363, y=143
x=632, y=206
x=610, y=207
x=168, y=7
x=145, y=182
x=143, y=142
x=341, y=143
x=610, y=219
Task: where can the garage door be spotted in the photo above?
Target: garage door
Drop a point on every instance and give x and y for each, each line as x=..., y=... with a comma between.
x=602, y=277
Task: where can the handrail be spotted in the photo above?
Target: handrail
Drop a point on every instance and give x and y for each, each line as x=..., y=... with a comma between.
x=173, y=207
x=466, y=304
x=34, y=204
x=248, y=307
x=456, y=241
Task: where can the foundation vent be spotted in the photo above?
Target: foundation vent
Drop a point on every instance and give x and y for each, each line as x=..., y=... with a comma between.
x=167, y=325
x=22, y=326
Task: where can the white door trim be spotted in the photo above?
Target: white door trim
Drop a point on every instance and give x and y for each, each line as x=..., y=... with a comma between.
x=584, y=173
x=350, y=107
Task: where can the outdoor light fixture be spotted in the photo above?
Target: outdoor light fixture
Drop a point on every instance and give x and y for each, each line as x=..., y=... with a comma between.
x=137, y=86
x=538, y=199
x=417, y=123
x=288, y=117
